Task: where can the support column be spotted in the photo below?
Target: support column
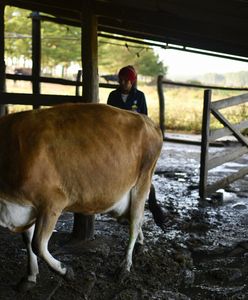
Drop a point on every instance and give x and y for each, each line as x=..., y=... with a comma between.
x=3, y=108
x=89, y=56
x=36, y=54
x=83, y=228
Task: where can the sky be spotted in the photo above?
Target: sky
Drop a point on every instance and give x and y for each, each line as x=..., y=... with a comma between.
x=183, y=65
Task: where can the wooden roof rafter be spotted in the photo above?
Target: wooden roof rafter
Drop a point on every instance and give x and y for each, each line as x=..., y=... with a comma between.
x=220, y=26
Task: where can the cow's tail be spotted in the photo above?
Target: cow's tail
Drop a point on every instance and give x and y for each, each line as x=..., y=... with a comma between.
x=159, y=215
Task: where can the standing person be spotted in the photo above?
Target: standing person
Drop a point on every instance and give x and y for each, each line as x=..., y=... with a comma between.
x=127, y=96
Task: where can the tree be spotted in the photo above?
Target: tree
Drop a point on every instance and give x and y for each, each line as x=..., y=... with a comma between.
x=18, y=32
x=113, y=56
x=61, y=45
x=149, y=64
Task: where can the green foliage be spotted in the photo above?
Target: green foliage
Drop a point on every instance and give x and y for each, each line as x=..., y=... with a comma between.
x=113, y=56
x=150, y=65
x=61, y=44
x=18, y=32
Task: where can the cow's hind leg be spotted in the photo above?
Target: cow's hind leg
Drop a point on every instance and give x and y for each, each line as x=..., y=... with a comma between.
x=138, y=197
x=29, y=281
x=45, y=224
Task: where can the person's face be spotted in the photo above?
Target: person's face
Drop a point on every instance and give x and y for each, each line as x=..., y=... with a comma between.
x=125, y=85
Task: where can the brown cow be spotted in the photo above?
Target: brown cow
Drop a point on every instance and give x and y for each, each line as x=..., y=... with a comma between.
x=86, y=158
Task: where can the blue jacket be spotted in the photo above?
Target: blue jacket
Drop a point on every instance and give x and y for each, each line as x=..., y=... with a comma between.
x=136, y=100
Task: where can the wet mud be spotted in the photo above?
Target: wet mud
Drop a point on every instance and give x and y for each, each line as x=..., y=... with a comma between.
x=202, y=253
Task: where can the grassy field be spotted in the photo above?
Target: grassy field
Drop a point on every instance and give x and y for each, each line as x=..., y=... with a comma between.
x=183, y=106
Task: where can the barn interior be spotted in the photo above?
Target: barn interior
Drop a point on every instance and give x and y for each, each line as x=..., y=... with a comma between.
x=213, y=27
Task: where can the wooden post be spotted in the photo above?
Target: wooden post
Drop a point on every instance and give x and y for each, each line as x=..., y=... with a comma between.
x=161, y=103
x=2, y=61
x=83, y=228
x=205, y=144
x=36, y=54
x=78, y=80
x=89, y=55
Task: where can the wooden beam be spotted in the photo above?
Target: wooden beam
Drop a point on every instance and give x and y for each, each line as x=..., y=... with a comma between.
x=161, y=104
x=83, y=227
x=210, y=189
x=223, y=157
x=51, y=7
x=226, y=123
x=222, y=132
x=172, y=21
x=202, y=86
x=230, y=14
x=2, y=60
x=58, y=81
x=231, y=101
x=205, y=143
x=44, y=79
x=61, y=21
x=178, y=37
x=89, y=54
x=36, y=54
x=164, y=25
x=30, y=99
x=168, y=22
x=78, y=82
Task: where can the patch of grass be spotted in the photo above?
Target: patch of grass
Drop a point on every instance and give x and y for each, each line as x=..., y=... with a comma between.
x=183, y=106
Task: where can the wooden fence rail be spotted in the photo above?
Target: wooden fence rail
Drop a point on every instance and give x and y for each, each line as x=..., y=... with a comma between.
x=162, y=82
x=43, y=79
x=43, y=99
x=209, y=162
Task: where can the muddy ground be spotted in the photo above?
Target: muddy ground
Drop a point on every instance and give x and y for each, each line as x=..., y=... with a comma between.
x=202, y=254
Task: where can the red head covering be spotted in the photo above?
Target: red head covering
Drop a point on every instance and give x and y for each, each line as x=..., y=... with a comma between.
x=128, y=73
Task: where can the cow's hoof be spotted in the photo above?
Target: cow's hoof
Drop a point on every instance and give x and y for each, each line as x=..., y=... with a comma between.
x=24, y=285
x=123, y=276
x=122, y=273
x=69, y=275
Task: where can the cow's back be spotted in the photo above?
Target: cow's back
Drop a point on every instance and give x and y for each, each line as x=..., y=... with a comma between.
x=91, y=152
